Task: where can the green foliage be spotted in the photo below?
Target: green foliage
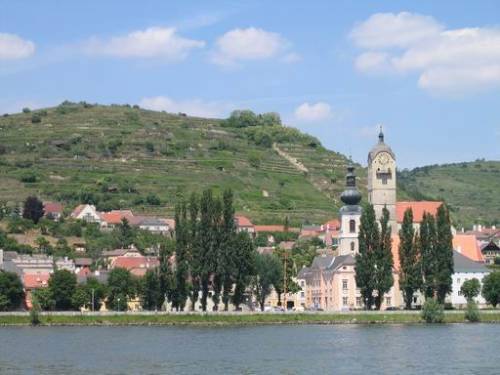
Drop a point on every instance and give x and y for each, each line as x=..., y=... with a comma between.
x=470, y=289
x=122, y=287
x=36, y=118
x=410, y=276
x=443, y=253
x=383, y=262
x=472, y=312
x=247, y=118
x=433, y=311
x=35, y=313
x=269, y=273
x=491, y=288
x=11, y=291
x=153, y=200
x=62, y=286
x=150, y=292
x=26, y=110
x=33, y=209
x=43, y=299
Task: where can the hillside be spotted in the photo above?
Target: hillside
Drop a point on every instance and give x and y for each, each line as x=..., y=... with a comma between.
x=119, y=156
x=472, y=190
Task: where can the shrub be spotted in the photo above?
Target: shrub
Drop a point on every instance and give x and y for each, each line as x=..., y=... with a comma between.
x=150, y=147
x=3, y=150
x=472, y=312
x=153, y=200
x=29, y=178
x=433, y=311
x=26, y=110
x=35, y=118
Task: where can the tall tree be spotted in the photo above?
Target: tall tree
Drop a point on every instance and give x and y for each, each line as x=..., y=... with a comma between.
x=206, y=244
x=410, y=276
x=369, y=238
x=491, y=288
x=383, y=262
x=33, y=209
x=62, y=286
x=165, y=274
x=244, y=266
x=443, y=253
x=194, y=250
x=427, y=240
x=181, y=256
x=228, y=259
x=216, y=253
x=125, y=234
x=11, y=291
x=151, y=296
x=268, y=273
x=121, y=288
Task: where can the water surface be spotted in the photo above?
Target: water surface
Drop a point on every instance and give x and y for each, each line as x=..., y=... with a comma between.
x=316, y=349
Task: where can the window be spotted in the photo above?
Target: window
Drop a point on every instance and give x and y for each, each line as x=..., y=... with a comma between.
x=352, y=246
x=352, y=226
x=358, y=301
x=302, y=283
x=344, y=284
x=388, y=301
x=345, y=301
x=302, y=294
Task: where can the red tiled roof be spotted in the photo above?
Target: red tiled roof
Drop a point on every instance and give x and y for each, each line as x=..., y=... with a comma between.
x=274, y=228
x=466, y=244
x=52, y=207
x=116, y=216
x=34, y=281
x=418, y=209
x=131, y=263
x=243, y=221
x=333, y=224
x=78, y=210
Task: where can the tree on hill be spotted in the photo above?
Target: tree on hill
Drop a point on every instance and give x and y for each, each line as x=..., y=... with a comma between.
x=11, y=291
x=33, y=209
x=470, y=289
x=491, y=288
x=369, y=238
x=62, y=286
x=383, y=262
x=410, y=277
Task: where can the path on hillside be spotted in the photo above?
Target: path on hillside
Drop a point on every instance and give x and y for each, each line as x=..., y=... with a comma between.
x=293, y=161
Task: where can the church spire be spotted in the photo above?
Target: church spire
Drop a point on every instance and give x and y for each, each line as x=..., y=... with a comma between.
x=381, y=135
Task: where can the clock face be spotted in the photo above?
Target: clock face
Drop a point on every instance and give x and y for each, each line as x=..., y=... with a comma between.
x=383, y=158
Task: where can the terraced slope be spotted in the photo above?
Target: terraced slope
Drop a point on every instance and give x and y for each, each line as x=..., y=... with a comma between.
x=119, y=156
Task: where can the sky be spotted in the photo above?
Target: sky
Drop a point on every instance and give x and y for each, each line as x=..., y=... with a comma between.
x=427, y=71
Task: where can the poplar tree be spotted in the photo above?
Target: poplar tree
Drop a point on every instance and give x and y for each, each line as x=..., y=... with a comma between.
x=410, y=277
x=206, y=244
x=228, y=257
x=443, y=254
x=244, y=267
x=165, y=274
x=383, y=262
x=427, y=243
x=369, y=237
x=216, y=265
x=194, y=253
x=181, y=265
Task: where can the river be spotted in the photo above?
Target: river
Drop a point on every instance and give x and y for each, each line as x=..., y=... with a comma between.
x=286, y=349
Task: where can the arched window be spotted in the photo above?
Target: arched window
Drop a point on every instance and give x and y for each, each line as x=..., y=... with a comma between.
x=352, y=226
x=352, y=246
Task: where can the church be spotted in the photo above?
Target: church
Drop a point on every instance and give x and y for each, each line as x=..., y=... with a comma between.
x=329, y=283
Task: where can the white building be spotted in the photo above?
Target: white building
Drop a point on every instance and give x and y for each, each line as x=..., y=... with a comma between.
x=86, y=212
x=465, y=269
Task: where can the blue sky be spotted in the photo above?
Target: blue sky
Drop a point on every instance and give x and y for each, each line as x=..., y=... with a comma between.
x=429, y=71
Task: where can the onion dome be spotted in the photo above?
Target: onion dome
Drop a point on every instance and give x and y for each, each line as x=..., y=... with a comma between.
x=351, y=195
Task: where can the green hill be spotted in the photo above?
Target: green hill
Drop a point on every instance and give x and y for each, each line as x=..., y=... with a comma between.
x=126, y=157
x=119, y=156
x=472, y=190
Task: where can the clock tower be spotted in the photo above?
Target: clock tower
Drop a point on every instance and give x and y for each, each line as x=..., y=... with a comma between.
x=382, y=180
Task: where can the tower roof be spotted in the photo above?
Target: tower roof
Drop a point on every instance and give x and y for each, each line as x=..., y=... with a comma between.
x=381, y=146
x=351, y=195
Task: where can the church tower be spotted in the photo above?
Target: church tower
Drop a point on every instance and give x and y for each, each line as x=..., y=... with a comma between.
x=382, y=180
x=350, y=216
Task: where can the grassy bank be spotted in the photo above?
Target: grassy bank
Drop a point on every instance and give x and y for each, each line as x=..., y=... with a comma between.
x=237, y=319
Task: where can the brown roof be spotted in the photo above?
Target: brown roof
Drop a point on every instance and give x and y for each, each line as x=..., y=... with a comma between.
x=52, y=208
x=243, y=221
x=116, y=216
x=274, y=228
x=466, y=244
x=34, y=281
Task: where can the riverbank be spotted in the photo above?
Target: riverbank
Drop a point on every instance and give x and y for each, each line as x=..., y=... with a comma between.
x=214, y=319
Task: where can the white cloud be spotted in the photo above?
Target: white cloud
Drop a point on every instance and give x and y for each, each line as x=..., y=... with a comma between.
x=154, y=42
x=313, y=112
x=193, y=107
x=449, y=61
x=13, y=47
x=248, y=44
